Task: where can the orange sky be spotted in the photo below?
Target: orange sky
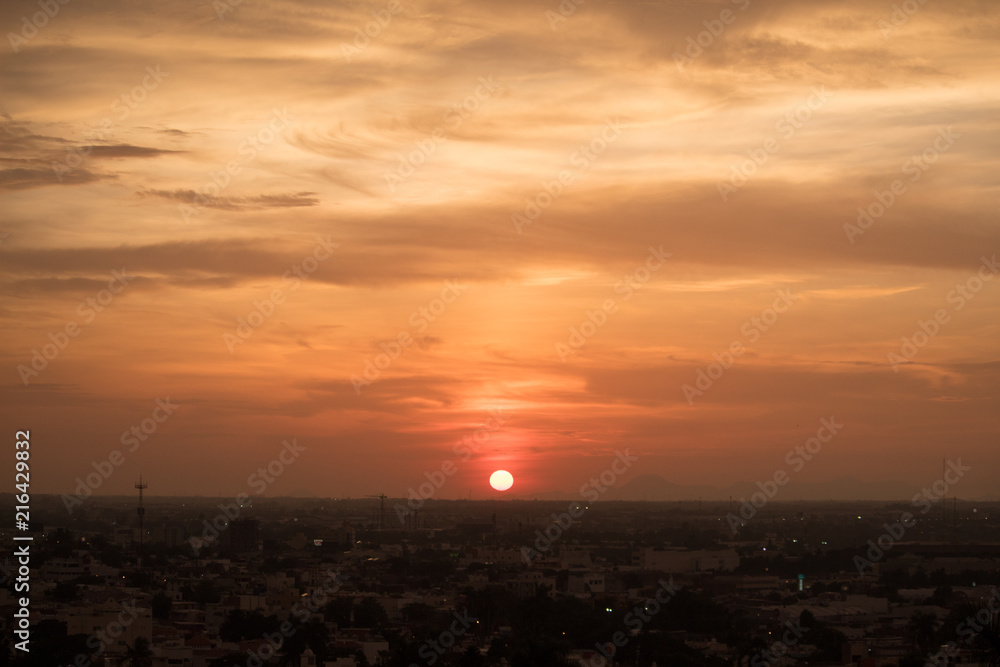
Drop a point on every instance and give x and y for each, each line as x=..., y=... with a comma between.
x=508, y=171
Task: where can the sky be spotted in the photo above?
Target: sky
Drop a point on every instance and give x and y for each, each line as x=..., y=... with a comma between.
x=370, y=246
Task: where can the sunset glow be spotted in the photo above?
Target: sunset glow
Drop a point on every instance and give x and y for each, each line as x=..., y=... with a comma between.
x=488, y=235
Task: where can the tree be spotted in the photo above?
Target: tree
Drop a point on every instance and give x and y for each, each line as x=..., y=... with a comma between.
x=312, y=635
x=205, y=593
x=828, y=642
x=338, y=610
x=417, y=612
x=239, y=625
x=162, y=604
x=923, y=625
x=230, y=660
x=369, y=613
x=472, y=658
x=50, y=645
x=985, y=623
x=942, y=596
x=139, y=654
x=65, y=591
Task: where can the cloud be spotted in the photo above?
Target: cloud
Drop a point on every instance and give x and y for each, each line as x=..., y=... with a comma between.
x=36, y=160
x=234, y=203
x=27, y=178
x=124, y=151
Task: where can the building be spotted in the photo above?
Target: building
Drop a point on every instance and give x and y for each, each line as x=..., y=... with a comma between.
x=677, y=560
x=244, y=534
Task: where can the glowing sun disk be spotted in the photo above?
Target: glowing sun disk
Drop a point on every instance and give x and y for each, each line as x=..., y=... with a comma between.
x=501, y=480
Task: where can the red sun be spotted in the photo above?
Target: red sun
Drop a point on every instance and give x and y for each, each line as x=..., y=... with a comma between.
x=501, y=480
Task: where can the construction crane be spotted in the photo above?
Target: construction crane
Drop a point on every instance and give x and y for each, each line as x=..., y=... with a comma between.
x=381, y=509
x=141, y=512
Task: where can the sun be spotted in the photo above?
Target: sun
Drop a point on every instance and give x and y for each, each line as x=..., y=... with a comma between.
x=501, y=480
